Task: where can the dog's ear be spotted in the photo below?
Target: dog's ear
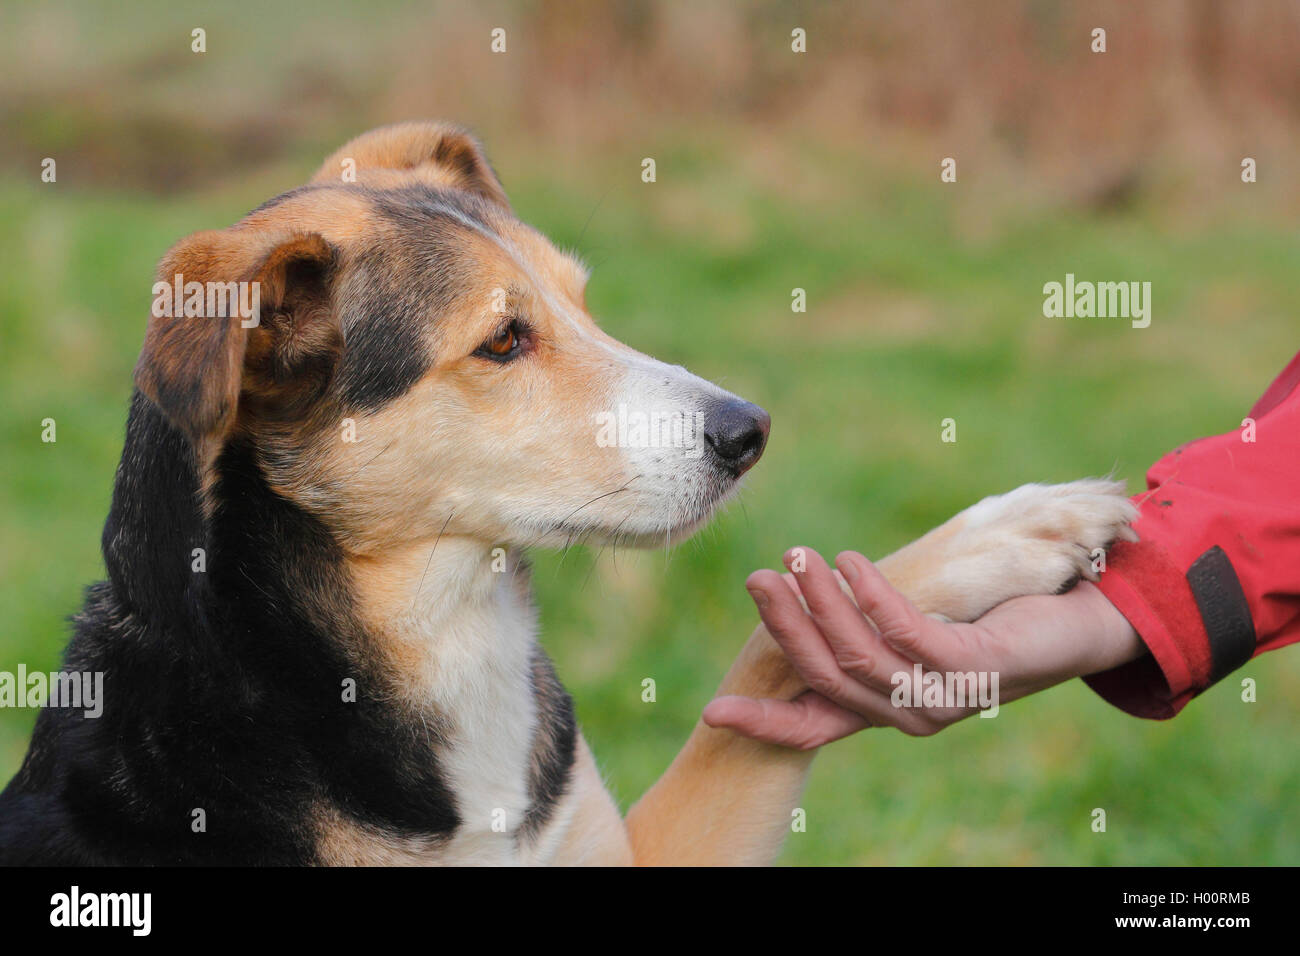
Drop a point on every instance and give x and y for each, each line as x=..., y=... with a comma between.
x=437, y=153
x=224, y=299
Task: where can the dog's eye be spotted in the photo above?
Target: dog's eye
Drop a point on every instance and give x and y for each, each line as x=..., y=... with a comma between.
x=504, y=345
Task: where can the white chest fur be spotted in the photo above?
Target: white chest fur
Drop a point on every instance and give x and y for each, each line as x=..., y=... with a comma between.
x=463, y=651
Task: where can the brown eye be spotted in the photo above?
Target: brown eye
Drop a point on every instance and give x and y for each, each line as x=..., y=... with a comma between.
x=504, y=345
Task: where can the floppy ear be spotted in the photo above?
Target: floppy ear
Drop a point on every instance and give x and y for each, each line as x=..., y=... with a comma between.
x=222, y=298
x=437, y=153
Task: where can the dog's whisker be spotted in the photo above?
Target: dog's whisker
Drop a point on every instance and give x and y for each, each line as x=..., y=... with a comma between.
x=594, y=562
x=250, y=580
x=372, y=460
x=430, y=561
x=590, y=217
x=614, y=535
x=565, y=520
x=564, y=552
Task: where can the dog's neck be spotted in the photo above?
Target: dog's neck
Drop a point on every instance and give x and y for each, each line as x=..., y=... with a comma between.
x=445, y=737
x=445, y=609
x=457, y=627
x=422, y=584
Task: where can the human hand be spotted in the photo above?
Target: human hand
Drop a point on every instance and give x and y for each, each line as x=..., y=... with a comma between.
x=850, y=666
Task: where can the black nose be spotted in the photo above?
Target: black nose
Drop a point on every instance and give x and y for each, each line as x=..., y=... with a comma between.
x=737, y=432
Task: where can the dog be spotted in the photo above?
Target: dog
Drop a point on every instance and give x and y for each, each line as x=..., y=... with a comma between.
x=316, y=634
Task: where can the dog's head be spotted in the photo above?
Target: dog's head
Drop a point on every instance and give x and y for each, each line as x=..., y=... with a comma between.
x=420, y=362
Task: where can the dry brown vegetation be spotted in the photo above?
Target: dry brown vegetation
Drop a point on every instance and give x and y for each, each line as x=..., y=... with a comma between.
x=1186, y=88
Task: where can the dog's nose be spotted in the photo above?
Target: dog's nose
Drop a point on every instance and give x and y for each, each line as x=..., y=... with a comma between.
x=737, y=432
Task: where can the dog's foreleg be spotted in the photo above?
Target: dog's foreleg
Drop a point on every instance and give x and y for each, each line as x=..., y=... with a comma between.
x=726, y=799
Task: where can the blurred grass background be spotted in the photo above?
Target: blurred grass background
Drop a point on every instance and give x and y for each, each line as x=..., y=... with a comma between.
x=775, y=171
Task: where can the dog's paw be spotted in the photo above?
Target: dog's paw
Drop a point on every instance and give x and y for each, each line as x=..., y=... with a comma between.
x=1038, y=539
x=1058, y=530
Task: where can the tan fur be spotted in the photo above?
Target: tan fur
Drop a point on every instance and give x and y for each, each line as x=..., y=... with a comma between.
x=598, y=836
x=437, y=153
x=342, y=841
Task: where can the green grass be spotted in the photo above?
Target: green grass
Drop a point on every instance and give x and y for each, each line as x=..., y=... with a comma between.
x=909, y=322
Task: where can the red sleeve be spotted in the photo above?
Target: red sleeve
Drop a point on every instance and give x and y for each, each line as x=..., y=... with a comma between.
x=1215, y=578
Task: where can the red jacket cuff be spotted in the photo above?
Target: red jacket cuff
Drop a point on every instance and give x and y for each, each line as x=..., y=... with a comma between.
x=1152, y=592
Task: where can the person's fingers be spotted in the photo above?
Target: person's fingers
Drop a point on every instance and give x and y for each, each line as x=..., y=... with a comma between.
x=899, y=623
x=791, y=583
x=804, y=723
x=810, y=655
x=857, y=647
x=808, y=652
x=792, y=628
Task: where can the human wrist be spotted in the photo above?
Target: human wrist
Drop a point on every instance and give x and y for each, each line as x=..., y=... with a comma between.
x=1113, y=641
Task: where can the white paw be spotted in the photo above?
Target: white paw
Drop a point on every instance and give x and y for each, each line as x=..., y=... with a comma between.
x=1038, y=539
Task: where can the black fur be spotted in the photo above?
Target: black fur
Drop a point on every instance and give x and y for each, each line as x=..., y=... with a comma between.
x=223, y=690
x=554, y=743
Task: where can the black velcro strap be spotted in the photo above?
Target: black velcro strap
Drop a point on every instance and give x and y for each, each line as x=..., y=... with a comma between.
x=1224, y=612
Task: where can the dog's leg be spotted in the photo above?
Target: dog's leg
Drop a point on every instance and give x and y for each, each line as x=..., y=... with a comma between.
x=728, y=800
